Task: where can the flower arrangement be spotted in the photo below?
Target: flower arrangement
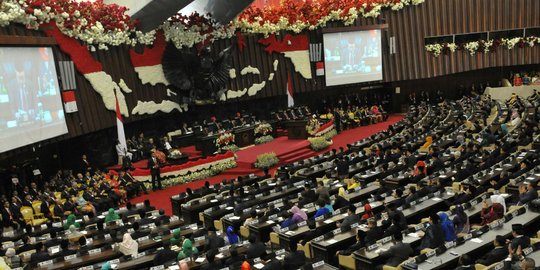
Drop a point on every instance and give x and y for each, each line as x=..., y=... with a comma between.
x=436, y=49
x=97, y=23
x=224, y=138
x=173, y=180
x=262, y=133
x=296, y=16
x=266, y=160
x=484, y=46
x=319, y=143
x=312, y=126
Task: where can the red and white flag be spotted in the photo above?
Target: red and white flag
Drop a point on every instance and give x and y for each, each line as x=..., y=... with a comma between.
x=120, y=124
x=290, y=99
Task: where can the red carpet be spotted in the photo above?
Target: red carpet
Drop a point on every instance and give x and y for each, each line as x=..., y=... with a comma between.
x=290, y=150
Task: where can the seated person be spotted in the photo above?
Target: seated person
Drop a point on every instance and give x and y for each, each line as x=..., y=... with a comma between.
x=493, y=212
x=360, y=235
x=321, y=210
x=165, y=255
x=295, y=259
x=398, y=252
x=256, y=249
x=212, y=263
x=497, y=254
x=128, y=247
x=433, y=237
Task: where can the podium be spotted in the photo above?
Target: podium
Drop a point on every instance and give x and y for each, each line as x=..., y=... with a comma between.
x=296, y=130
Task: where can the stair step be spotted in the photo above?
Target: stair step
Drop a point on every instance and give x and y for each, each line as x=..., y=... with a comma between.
x=297, y=152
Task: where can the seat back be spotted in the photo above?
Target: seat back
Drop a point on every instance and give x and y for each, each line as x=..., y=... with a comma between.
x=27, y=213
x=244, y=232
x=37, y=206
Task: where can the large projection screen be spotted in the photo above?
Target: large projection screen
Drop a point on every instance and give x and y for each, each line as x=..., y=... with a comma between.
x=352, y=57
x=30, y=99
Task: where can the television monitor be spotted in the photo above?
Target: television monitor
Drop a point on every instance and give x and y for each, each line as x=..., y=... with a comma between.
x=30, y=98
x=352, y=57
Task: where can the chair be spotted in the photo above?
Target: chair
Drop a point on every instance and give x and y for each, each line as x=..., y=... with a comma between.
x=347, y=261
x=30, y=218
x=274, y=239
x=201, y=217
x=218, y=224
x=55, y=218
x=36, y=205
x=244, y=232
x=306, y=248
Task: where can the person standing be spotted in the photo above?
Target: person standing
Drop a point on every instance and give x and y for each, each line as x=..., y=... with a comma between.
x=153, y=165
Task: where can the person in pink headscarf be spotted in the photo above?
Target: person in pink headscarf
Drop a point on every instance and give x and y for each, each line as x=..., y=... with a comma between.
x=298, y=214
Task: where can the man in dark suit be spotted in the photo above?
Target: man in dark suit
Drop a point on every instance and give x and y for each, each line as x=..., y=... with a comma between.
x=236, y=260
x=165, y=255
x=213, y=241
x=308, y=195
x=212, y=264
x=256, y=248
x=351, y=218
x=65, y=251
x=85, y=165
x=295, y=259
x=527, y=194
x=153, y=165
x=40, y=256
x=519, y=239
x=9, y=218
x=138, y=233
x=374, y=233
x=398, y=252
x=497, y=254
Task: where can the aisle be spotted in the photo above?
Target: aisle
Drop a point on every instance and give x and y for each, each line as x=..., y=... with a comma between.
x=282, y=146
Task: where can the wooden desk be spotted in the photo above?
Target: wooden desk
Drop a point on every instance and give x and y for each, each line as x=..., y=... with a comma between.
x=448, y=260
x=244, y=136
x=296, y=130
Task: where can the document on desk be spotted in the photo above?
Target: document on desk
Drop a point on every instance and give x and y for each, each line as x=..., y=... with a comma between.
x=270, y=222
x=413, y=235
x=234, y=218
x=328, y=221
x=290, y=233
x=220, y=256
x=331, y=241
x=436, y=199
x=477, y=240
x=259, y=265
x=199, y=260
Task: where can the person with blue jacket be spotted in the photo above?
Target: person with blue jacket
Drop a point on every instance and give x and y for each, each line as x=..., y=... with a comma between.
x=322, y=210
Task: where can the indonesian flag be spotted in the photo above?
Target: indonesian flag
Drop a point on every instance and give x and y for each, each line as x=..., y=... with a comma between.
x=319, y=67
x=120, y=125
x=290, y=99
x=70, y=103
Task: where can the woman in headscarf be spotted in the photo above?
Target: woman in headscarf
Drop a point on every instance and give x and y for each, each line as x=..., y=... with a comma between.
x=341, y=200
x=74, y=234
x=368, y=212
x=427, y=144
x=298, y=214
x=111, y=216
x=128, y=246
x=71, y=221
x=232, y=236
x=447, y=227
x=493, y=212
x=420, y=168
x=461, y=221
x=175, y=239
x=188, y=250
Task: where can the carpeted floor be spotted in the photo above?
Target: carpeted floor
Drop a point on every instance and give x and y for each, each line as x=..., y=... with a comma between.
x=282, y=146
